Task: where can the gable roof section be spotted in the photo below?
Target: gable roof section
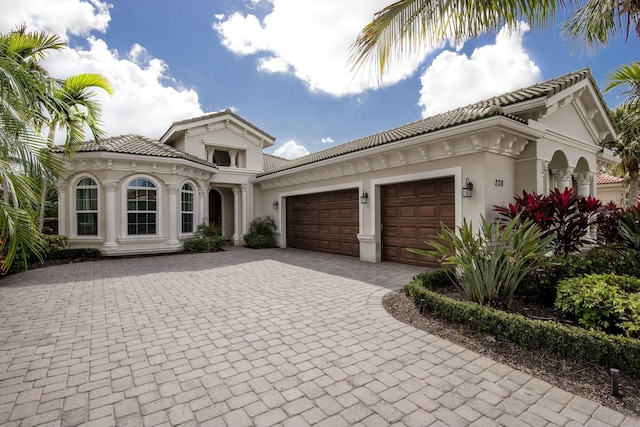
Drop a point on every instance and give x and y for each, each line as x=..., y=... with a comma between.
x=186, y=124
x=545, y=89
x=138, y=145
x=494, y=106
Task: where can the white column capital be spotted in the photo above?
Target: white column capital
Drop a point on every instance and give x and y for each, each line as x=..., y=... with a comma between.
x=110, y=185
x=62, y=186
x=584, y=178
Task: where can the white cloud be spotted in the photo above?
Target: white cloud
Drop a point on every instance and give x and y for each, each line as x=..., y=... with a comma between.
x=147, y=98
x=454, y=80
x=311, y=40
x=291, y=150
x=62, y=17
x=327, y=140
x=273, y=65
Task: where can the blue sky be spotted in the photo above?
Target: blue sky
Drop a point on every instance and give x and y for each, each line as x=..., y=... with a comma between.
x=281, y=64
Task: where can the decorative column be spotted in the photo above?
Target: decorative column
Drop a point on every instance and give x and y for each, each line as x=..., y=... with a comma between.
x=110, y=220
x=563, y=178
x=233, y=158
x=236, y=216
x=545, y=176
x=174, y=190
x=584, y=180
x=201, y=203
x=210, y=153
x=243, y=188
x=62, y=207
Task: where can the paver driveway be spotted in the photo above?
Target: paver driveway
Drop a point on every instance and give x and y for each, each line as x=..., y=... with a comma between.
x=242, y=338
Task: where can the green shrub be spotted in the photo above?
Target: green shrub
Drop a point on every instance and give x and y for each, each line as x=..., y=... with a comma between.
x=603, y=302
x=209, y=230
x=261, y=233
x=208, y=238
x=610, y=258
x=204, y=244
x=611, y=351
x=74, y=253
x=434, y=279
x=490, y=264
x=53, y=243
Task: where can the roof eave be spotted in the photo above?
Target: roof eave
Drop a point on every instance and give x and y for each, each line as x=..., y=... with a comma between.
x=462, y=129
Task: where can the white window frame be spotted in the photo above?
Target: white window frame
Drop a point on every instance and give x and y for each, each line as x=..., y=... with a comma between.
x=125, y=211
x=74, y=207
x=193, y=192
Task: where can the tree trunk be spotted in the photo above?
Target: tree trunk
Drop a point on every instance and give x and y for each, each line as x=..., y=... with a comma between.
x=632, y=196
x=45, y=182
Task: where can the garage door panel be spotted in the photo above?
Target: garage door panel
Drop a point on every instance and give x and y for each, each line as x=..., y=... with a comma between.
x=411, y=214
x=407, y=232
x=426, y=212
x=325, y=222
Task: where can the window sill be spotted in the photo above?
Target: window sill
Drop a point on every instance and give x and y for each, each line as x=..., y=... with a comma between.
x=141, y=239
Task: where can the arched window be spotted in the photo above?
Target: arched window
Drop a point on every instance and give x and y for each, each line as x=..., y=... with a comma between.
x=187, y=208
x=87, y=207
x=141, y=207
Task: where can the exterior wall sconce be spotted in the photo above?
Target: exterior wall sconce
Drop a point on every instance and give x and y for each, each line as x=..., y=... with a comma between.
x=275, y=205
x=468, y=188
x=364, y=198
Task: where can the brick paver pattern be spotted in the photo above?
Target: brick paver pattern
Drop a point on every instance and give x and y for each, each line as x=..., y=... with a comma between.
x=248, y=338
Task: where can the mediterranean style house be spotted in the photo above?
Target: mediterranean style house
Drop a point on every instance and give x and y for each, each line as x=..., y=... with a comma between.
x=369, y=198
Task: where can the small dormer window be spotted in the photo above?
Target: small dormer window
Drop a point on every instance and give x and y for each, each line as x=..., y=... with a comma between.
x=221, y=158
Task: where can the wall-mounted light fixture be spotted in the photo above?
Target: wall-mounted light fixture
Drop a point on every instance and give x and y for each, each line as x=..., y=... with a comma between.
x=275, y=205
x=468, y=188
x=364, y=198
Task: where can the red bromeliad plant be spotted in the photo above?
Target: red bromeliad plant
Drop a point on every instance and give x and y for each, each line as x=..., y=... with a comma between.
x=564, y=215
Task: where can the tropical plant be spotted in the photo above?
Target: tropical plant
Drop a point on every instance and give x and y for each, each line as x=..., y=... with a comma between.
x=28, y=103
x=405, y=26
x=76, y=91
x=490, y=264
x=564, y=215
x=627, y=144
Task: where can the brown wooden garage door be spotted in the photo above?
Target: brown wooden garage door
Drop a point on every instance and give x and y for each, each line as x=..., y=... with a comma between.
x=411, y=214
x=324, y=222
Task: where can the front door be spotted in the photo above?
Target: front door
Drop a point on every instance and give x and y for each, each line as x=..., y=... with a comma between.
x=215, y=207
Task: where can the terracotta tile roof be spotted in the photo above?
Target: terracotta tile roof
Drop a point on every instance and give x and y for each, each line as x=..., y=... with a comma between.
x=270, y=162
x=603, y=178
x=477, y=111
x=139, y=145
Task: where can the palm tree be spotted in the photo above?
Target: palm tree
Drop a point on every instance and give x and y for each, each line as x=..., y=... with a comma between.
x=76, y=91
x=405, y=26
x=627, y=118
x=627, y=146
x=28, y=103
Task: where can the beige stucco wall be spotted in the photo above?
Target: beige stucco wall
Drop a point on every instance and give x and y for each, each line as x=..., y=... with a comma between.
x=611, y=193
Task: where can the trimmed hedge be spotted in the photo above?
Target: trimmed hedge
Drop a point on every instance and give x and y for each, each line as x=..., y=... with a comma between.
x=610, y=351
x=74, y=253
